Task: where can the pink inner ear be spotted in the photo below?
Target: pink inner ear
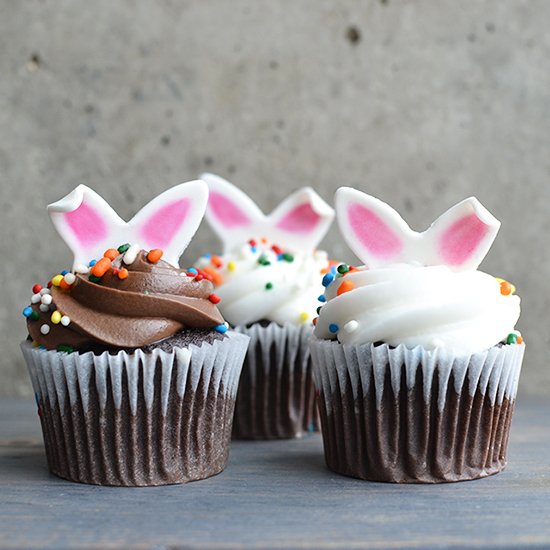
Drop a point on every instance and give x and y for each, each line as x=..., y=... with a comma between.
x=461, y=240
x=225, y=211
x=86, y=224
x=161, y=227
x=373, y=233
x=301, y=219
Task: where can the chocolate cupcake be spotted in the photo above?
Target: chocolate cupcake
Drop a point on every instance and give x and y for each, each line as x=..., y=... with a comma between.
x=134, y=371
x=268, y=278
x=416, y=357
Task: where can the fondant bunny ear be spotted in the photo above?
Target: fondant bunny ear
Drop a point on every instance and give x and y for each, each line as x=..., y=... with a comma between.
x=299, y=222
x=460, y=238
x=302, y=219
x=89, y=225
x=231, y=213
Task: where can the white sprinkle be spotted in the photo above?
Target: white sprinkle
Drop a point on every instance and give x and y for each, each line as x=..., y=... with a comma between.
x=81, y=268
x=131, y=254
x=44, y=307
x=70, y=278
x=65, y=320
x=35, y=298
x=46, y=299
x=351, y=326
x=45, y=291
x=44, y=329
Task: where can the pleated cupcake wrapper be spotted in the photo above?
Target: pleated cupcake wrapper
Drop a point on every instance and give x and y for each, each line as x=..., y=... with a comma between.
x=276, y=398
x=137, y=419
x=411, y=415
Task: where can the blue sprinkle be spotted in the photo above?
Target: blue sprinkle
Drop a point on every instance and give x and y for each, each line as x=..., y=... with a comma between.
x=37, y=399
x=253, y=248
x=280, y=258
x=328, y=278
x=334, y=328
x=192, y=270
x=27, y=311
x=42, y=347
x=334, y=270
x=221, y=328
x=92, y=263
x=322, y=298
x=207, y=256
x=64, y=272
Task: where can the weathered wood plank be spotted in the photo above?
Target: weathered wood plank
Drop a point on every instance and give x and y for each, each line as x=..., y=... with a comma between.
x=275, y=495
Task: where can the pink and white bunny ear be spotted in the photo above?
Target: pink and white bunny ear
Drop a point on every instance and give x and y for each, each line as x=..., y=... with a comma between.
x=171, y=219
x=379, y=236
x=462, y=236
x=232, y=214
x=302, y=219
x=299, y=222
x=89, y=226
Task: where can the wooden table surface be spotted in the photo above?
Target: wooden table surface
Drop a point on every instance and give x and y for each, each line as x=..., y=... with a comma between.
x=275, y=495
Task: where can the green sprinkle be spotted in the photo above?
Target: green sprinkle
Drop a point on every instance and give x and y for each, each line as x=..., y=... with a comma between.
x=123, y=248
x=145, y=292
x=512, y=338
x=343, y=268
x=288, y=257
x=262, y=260
x=34, y=316
x=94, y=279
x=66, y=349
x=268, y=286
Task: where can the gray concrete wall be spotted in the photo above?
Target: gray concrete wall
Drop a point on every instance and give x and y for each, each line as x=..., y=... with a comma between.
x=420, y=103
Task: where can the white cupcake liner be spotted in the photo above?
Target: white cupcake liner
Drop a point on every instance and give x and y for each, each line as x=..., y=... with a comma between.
x=412, y=415
x=137, y=419
x=276, y=398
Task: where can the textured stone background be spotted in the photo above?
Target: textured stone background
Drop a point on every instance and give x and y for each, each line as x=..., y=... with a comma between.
x=421, y=103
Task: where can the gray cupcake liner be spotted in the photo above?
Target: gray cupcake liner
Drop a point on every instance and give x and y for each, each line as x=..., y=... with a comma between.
x=276, y=398
x=137, y=419
x=412, y=415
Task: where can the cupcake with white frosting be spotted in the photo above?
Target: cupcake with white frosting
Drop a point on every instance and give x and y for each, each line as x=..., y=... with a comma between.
x=415, y=353
x=268, y=278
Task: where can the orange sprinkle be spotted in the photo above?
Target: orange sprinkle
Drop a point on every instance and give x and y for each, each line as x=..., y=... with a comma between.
x=216, y=261
x=324, y=271
x=154, y=255
x=345, y=286
x=101, y=267
x=505, y=288
x=111, y=253
x=122, y=273
x=263, y=240
x=519, y=340
x=217, y=278
x=64, y=285
x=314, y=321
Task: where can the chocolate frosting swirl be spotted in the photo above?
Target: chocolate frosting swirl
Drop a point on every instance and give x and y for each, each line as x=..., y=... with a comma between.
x=154, y=302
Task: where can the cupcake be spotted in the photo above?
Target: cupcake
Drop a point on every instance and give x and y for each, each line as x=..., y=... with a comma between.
x=415, y=355
x=268, y=279
x=134, y=371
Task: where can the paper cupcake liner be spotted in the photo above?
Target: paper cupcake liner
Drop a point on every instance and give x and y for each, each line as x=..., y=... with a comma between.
x=137, y=419
x=276, y=398
x=414, y=416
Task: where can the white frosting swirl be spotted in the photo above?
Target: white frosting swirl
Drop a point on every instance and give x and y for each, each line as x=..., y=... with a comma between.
x=433, y=307
x=260, y=284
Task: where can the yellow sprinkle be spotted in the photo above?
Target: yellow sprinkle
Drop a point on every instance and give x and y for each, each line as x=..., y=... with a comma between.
x=231, y=266
x=56, y=281
x=56, y=317
x=35, y=344
x=304, y=317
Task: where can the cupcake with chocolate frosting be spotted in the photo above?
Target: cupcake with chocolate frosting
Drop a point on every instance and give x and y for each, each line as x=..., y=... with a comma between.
x=134, y=371
x=268, y=279
x=416, y=355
